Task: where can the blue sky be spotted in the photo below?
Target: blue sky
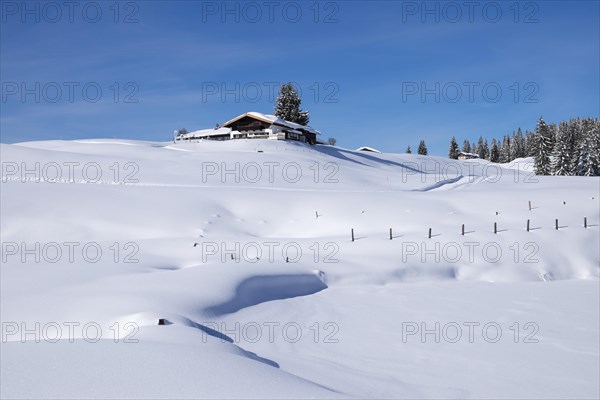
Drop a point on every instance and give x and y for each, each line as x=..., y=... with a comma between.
x=379, y=73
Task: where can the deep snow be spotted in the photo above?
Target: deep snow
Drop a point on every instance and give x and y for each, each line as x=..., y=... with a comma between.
x=244, y=247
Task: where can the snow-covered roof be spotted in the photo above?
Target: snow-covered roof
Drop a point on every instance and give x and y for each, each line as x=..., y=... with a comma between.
x=272, y=119
x=365, y=148
x=206, y=133
x=462, y=153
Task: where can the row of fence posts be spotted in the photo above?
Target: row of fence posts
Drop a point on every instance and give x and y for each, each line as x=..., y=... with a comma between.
x=585, y=225
x=462, y=231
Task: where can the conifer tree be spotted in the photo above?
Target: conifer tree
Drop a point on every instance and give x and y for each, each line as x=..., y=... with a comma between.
x=518, y=145
x=479, y=148
x=553, y=130
x=453, y=151
x=422, y=150
x=588, y=160
x=562, y=161
x=287, y=105
x=529, y=144
x=466, y=147
x=575, y=136
x=543, y=148
x=505, y=155
x=486, y=150
x=303, y=118
x=494, y=152
x=408, y=150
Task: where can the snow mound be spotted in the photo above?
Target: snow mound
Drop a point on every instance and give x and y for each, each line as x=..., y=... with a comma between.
x=258, y=289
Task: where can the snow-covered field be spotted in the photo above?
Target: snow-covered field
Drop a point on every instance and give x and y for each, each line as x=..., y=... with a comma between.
x=244, y=249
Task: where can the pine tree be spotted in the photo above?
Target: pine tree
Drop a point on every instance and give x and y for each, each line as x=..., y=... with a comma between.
x=584, y=159
x=287, y=105
x=486, y=150
x=553, y=130
x=562, y=161
x=595, y=141
x=180, y=132
x=588, y=160
x=494, y=152
x=575, y=136
x=595, y=144
x=518, y=145
x=505, y=155
x=453, y=151
x=561, y=164
x=529, y=144
x=303, y=118
x=543, y=148
x=408, y=150
x=479, y=148
x=422, y=150
x=466, y=147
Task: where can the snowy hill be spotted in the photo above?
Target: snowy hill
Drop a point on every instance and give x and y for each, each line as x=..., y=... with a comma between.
x=245, y=249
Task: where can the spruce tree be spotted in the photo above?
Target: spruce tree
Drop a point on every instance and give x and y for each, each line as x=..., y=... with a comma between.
x=422, y=150
x=584, y=159
x=486, y=150
x=553, y=130
x=574, y=127
x=466, y=147
x=453, y=151
x=595, y=141
x=518, y=145
x=562, y=161
x=287, y=105
x=408, y=150
x=180, y=132
x=529, y=144
x=505, y=150
x=494, y=152
x=588, y=160
x=303, y=118
x=543, y=148
x=479, y=148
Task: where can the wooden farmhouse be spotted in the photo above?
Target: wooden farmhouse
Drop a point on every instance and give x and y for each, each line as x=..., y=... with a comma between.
x=254, y=125
x=467, y=156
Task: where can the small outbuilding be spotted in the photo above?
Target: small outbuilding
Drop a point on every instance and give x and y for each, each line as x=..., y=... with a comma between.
x=467, y=156
x=369, y=149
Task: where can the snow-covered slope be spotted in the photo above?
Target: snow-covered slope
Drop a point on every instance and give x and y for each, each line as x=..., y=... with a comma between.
x=244, y=248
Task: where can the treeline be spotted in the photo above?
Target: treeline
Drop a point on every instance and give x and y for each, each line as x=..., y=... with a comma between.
x=422, y=150
x=569, y=148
